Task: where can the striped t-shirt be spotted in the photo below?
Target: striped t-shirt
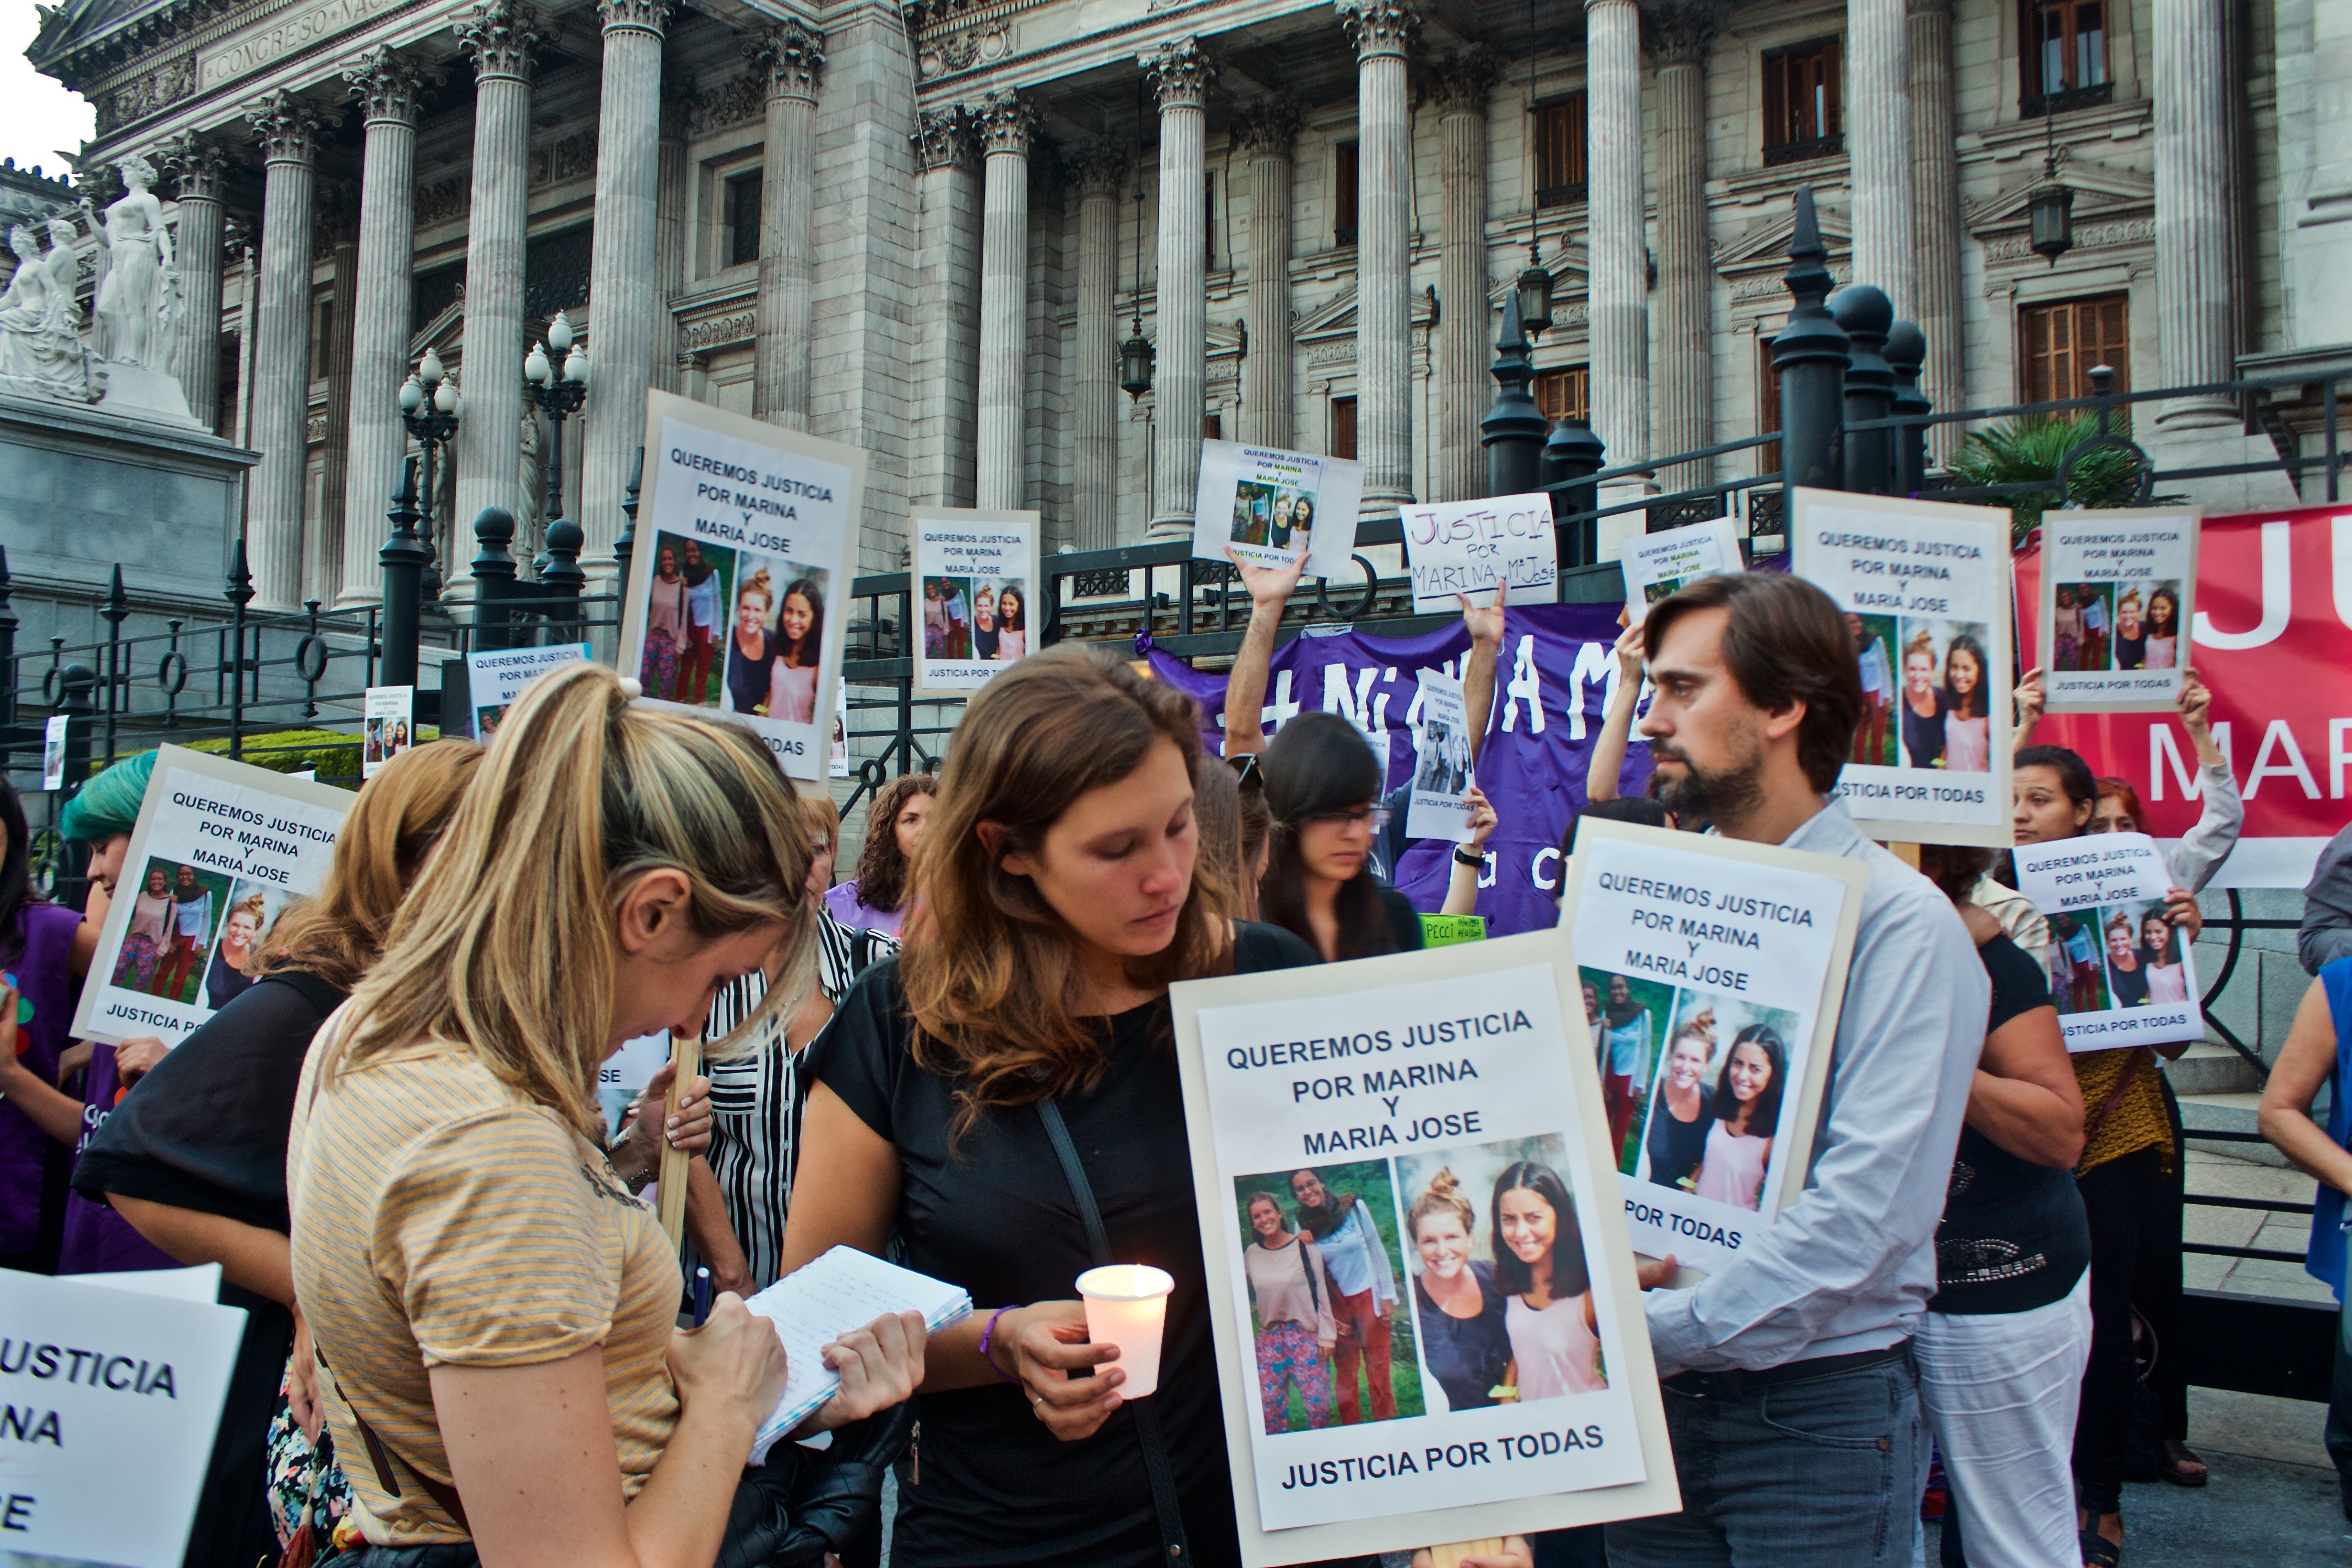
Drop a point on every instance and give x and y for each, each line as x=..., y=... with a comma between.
x=440, y=1218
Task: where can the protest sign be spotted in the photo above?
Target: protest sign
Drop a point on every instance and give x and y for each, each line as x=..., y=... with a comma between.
x=220, y=849
x=1439, y=806
x=620, y=1075
x=53, y=751
x=494, y=681
x=1655, y=564
x=1269, y=507
x=738, y=594
x=1925, y=589
x=2119, y=971
x=1712, y=972
x=2118, y=594
x=108, y=1401
x=1422, y=1095
x=978, y=576
x=839, y=767
x=387, y=722
x=1469, y=546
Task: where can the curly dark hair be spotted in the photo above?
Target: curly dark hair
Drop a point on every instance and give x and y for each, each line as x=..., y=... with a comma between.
x=881, y=869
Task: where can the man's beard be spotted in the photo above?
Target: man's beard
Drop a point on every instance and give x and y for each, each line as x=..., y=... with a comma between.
x=1725, y=798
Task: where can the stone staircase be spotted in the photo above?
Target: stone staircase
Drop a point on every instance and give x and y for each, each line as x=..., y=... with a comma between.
x=2219, y=1092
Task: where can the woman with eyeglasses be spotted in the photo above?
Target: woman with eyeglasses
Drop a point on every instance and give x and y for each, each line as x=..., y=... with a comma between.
x=1323, y=785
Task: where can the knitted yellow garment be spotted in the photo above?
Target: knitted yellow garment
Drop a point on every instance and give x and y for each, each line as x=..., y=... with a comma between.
x=2139, y=1122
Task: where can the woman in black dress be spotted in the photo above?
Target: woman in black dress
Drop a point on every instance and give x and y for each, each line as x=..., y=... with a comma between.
x=1454, y=1299
x=1057, y=894
x=1678, y=1126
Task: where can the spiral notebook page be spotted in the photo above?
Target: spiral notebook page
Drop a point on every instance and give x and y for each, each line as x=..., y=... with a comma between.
x=818, y=1304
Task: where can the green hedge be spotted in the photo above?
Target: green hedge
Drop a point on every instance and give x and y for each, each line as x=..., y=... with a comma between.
x=334, y=754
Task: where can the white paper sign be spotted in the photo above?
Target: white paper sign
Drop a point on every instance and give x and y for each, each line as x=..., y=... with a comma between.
x=840, y=768
x=220, y=849
x=1422, y=1095
x=977, y=588
x=1926, y=588
x=1470, y=546
x=2118, y=596
x=98, y=1387
x=1711, y=978
x=1439, y=802
x=2120, y=973
x=1271, y=507
x=736, y=602
x=621, y=1075
x=387, y=727
x=1655, y=564
x=53, y=751
x=494, y=681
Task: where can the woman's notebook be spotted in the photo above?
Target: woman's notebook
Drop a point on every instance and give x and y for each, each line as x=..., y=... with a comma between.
x=819, y=1302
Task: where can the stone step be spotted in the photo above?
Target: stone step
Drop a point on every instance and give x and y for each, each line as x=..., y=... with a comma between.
x=2209, y=1068
x=2234, y=1111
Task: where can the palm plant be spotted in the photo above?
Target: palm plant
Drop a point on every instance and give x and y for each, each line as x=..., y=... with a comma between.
x=2029, y=450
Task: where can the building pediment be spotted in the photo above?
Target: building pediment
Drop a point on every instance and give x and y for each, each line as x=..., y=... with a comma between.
x=1764, y=245
x=2101, y=192
x=1335, y=318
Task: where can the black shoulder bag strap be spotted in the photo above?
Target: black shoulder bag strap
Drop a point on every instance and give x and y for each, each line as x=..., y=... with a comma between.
x=1146, y=1414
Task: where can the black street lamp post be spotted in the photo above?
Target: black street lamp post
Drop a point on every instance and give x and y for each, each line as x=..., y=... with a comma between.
x=559, y=389
x=430, y=405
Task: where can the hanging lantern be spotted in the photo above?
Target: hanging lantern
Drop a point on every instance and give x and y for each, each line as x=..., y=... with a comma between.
x=1535, y=300
x=1135, y=357
x=2052, y=209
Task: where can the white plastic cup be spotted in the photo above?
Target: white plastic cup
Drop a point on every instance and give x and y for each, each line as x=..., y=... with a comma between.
x=1127, y=1306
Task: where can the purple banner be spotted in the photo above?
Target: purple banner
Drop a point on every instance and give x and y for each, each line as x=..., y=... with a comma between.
x=1550, y=691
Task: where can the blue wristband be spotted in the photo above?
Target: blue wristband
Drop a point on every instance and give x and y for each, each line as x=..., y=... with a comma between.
x=989, y=1333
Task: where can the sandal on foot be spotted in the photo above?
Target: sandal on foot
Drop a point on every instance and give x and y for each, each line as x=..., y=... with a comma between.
x=2176, y=1464
x=2098, y=1551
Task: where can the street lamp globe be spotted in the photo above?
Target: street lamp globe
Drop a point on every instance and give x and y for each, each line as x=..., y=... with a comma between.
x=1535, y=300
x=559, y=333
x=575, y=365
x=412, y=395
x=430, y=366
x=534, y=365
x=1135, y=358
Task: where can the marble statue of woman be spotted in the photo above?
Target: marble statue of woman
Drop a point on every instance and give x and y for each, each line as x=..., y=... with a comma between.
x=138, y=308
x=41, y=353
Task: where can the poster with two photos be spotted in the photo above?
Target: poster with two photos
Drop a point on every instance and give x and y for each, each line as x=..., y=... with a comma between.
x=2120, y=973
x=219, y=852
x=1270, y=507
x=2118, y=594
x=977, y=590
x=737, y=606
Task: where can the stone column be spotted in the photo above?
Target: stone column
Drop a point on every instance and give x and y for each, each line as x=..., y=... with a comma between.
x=1879, y=142
x=1180, y=74
x=1458, y=461
x=947, y=333
x=1265, y=135
x=1382, y=31
x=289, y=130
x=1005, y=120
x=1680, y=37
x=1095, y=170
x=2195, y=341
x=500, y=35
x=323, y=551
x=199, y=247
x=793, y=56
x=672, y=175
x=1935, y=232
x=1617, y=284
x=386, y=85
x=626, y=303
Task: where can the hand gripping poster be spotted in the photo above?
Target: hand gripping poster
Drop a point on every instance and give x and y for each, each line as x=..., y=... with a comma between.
x=1270, y=507
x=1655, y=564
x=2118, y=594
x=977, y=576
x=2120, y=973
x=1413, y=1146
x=1709, y=972
x=737, y=600
x=1925, y=591
x=1472, y=547
x=219, y=851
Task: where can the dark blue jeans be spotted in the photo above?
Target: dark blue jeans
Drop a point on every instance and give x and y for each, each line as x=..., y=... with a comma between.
x=1821, y=1473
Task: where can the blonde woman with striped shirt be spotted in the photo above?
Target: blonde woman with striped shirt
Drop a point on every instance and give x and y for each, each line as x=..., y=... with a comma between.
x=494, y=1312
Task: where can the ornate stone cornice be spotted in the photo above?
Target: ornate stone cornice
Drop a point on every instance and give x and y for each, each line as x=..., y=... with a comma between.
x=1269, y=125
x=502, y=36
x=1380, y=26
x=635, y=16
x=944, y=137
x=385, y=83
x=1096, y=166
x=678, y=105
x=1680, y=32
x=793, y=56
x=1459, y=81
x=286, y=127
x=1005, y=120
x=1182, y=73
x=199, y=161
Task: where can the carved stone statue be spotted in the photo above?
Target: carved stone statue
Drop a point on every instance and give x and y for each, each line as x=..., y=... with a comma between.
x=140, y=311
x=41, y=355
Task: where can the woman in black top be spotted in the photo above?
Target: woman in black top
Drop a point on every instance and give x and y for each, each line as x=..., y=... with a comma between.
x=1679, y=1122
x=1323, y=785
x=1459, y=1308
x=1057, y=892
x=2002, y=1345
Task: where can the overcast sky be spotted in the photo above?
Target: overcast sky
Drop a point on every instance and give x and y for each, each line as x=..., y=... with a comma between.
x=39, y=120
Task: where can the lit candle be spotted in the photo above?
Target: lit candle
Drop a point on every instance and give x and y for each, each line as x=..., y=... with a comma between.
x=1127, y=1306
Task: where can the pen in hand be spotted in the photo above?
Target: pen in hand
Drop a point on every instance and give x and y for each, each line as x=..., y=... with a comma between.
x=702, y=1297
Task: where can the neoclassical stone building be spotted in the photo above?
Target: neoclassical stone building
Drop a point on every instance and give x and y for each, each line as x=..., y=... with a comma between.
x=926, y=228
